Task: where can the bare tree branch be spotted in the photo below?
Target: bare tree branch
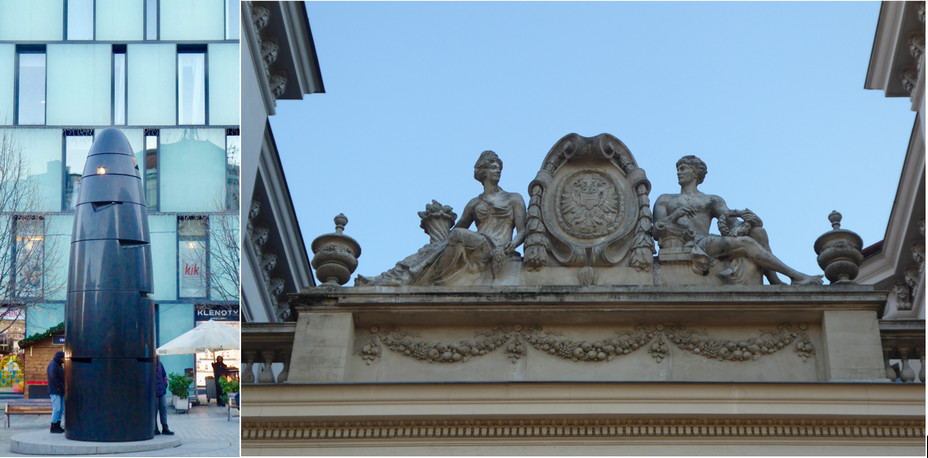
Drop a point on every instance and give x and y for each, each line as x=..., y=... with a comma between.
x=30, y=263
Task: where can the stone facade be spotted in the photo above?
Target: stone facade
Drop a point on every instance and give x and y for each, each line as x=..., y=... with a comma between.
x=597, y=341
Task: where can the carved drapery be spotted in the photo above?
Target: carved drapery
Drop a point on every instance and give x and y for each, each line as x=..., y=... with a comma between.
x=657, y=339
x=589, y=207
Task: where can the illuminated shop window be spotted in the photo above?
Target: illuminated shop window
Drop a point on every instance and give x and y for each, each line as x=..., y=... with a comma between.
x=192, y=236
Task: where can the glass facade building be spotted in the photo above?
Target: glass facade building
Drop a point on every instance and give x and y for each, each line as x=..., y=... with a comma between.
x=165, y=72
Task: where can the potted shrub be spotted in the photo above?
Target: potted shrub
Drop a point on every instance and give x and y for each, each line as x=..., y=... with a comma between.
x=229, y=388
x=177, y=385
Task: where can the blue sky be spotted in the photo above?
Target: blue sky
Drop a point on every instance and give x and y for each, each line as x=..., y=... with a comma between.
x=770, y=95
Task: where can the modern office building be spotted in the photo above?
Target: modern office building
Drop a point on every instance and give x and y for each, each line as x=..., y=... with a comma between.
x=166, y=73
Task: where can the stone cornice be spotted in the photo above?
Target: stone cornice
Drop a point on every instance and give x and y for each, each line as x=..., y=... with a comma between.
x=901, y=231
x=571, y=294
x=307, y=416
x=285, y=220
x=352, y=432
x=319, y=402
x=890, y=56
x=252, y=43
x=574, y=304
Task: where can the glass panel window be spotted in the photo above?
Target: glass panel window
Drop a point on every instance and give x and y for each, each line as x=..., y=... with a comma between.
x=80, y=19
x=29, y=254
x=119, y=20
x=191, y=257
x=31, y=88
x=223, y=91
x=191, y=88
x=79, y=94
x=31, y=20
x=151, y=19
x=233, y=167
x=185, y=20
x=76, y=147
x=232, y=15
x=7, y=83
x=42, y=152
x=152, y=98
x=192, y=170
x=119, y=85
x=151, y=169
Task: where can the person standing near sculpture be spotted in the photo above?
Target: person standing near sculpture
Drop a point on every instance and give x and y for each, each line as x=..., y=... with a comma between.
x=219, y=371
x=161, y=389
x=689, y=215
x=55, y=372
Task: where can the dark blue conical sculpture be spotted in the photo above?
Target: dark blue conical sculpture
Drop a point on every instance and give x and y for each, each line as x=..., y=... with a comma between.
x=110, y=321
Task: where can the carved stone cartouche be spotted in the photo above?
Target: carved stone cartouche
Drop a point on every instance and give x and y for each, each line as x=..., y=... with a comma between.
x=589, y=207
x=838, y=251
x=336, y=255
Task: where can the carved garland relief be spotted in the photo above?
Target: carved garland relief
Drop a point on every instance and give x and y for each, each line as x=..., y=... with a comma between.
x=657, y=339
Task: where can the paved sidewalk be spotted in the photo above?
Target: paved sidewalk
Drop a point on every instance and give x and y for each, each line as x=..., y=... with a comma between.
x=203, y=432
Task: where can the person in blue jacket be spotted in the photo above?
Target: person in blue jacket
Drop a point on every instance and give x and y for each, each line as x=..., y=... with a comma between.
x=56, y=390
x=161, y=388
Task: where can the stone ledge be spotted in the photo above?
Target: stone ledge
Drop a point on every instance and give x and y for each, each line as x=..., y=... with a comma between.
x=379, y=306
x=45, y=443
x=322, y=297
x=585, y=419
x=618, y=428
x=359, y=401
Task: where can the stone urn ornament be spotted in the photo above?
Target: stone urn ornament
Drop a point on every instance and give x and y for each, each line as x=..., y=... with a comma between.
x=838, y=252
x=335, y=255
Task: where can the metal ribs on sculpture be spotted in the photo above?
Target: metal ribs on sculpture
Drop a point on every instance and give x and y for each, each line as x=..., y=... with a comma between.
x=110, y=320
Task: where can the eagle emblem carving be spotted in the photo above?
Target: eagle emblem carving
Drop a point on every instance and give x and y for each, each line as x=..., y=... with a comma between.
x=589, y=205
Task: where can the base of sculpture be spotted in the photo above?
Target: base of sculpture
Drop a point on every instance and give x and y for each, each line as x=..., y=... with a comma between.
x=675, y=266
x=43, y=443
x=104, y=406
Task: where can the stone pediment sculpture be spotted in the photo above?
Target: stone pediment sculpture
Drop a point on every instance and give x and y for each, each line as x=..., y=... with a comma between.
x=460, y=252
x=588, y=221
x=589, y=208
x=681, y=226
